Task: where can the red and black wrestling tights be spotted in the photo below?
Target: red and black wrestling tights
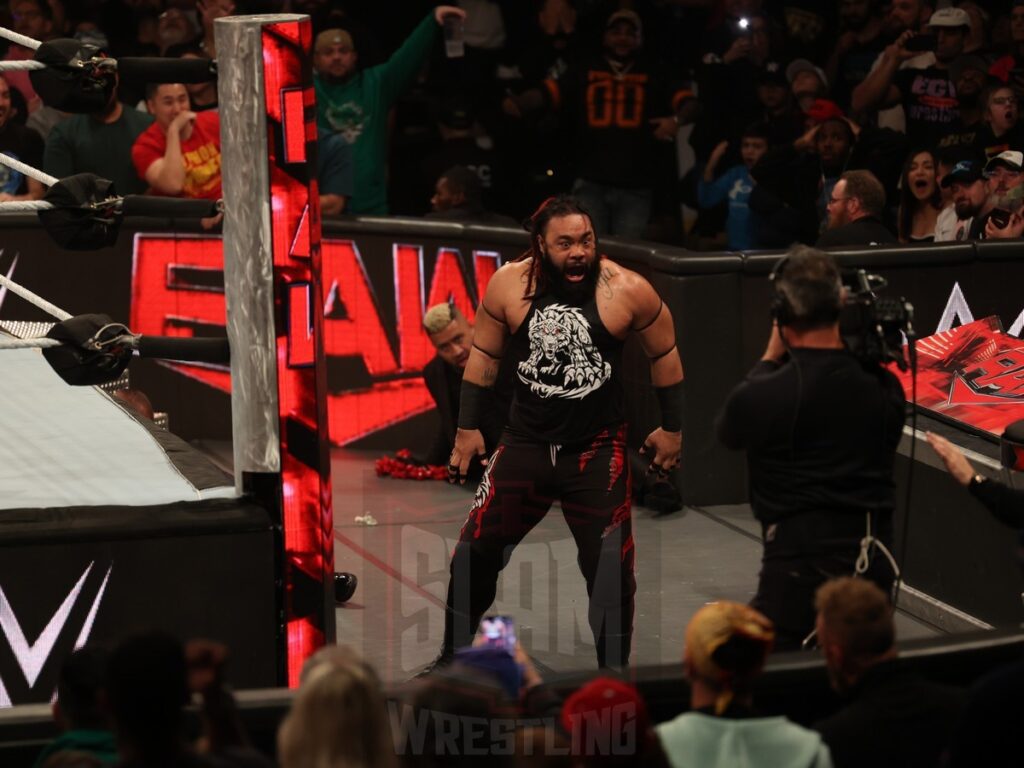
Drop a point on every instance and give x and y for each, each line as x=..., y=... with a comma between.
x=592, y=482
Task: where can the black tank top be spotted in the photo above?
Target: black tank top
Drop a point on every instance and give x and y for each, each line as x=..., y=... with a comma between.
x=567, y=386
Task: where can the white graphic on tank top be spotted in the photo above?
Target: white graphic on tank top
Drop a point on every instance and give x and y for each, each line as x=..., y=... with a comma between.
x=563, y=360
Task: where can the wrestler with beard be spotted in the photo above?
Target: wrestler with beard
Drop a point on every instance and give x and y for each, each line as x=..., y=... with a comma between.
x=563, y=313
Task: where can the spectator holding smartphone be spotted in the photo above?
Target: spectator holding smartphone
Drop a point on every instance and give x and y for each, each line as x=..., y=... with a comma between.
x=928, y=96
x=1005, y=175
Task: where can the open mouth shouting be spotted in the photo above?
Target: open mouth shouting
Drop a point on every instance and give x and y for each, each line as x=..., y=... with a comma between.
x=576, y=271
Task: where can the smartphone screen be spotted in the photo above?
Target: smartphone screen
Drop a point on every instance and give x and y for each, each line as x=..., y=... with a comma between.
x=1000, y=217
x=922, y=43
x=499, y=631
x=741, y=27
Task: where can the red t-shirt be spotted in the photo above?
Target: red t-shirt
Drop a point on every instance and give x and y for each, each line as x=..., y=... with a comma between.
x=201, y=153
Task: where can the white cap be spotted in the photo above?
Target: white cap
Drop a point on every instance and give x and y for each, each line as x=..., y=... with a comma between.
x=1010, y=158
x=803, y=65
x=950, y=17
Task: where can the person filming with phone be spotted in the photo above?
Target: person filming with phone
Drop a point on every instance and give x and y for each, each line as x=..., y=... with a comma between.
x=1005, y=175
x=928, y=95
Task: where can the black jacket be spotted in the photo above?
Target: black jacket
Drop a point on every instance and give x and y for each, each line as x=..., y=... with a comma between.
x=867, y=231
x=820, y=431
x=895, y=719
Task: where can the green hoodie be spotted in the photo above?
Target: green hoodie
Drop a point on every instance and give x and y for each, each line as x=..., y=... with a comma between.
x=100, y=744
x=694, y=738
x=358, y=110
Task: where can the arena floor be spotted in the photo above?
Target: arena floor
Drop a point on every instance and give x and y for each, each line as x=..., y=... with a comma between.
x=395, y=618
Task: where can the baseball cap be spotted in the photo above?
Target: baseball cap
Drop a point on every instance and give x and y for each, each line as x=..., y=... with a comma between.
x=330, y=37
x=630, y=17
x=1009, y=159
x=719, y=623
x=950, y=17
x=825, y=109
x=966, y=172
x=603, y=695
x=797, y=66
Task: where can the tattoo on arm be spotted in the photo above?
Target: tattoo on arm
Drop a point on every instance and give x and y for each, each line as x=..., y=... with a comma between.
x=605, y=281
x=490, y=374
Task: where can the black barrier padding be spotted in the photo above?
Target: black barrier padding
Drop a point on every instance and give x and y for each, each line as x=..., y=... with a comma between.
x=168, y=207
x=930, y=255
x=707, y=318
x=636, y=253
x=203, y=569
x=796, y=684
x=155, y=69
x=680, y=262
x=880, y=257
x=191, y=349
x=25, y=527
x=999, y=250
x=958, y=552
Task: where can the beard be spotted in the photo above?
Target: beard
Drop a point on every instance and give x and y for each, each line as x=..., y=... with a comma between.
x=838, y=220
x=572, y=293
x=966, y=209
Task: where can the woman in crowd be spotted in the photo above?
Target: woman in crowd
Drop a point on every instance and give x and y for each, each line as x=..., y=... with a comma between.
x=920, y=199
x=338, y=718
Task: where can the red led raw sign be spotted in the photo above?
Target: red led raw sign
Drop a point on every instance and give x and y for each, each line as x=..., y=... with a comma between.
x=972, y=374
x=173, y=293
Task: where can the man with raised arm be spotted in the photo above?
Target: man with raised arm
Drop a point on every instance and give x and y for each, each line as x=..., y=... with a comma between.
x=562, y=312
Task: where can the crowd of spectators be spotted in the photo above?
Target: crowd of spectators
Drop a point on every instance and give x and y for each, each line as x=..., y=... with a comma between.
x=126, y=706
x=706, y=123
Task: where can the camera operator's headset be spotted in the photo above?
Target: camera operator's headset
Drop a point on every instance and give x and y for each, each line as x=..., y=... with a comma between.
x=783, y=313
x=782, y=310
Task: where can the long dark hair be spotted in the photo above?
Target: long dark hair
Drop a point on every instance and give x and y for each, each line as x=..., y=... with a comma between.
x=537, y=225
x=908, y=203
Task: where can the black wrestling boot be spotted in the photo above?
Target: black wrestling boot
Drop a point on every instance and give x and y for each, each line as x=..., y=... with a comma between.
x=344, y=587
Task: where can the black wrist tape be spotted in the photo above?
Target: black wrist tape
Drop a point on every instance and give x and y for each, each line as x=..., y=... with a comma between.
x=471, y=403
x=670, y=399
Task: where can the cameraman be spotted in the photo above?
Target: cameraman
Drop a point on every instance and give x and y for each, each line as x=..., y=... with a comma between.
x=820, y=429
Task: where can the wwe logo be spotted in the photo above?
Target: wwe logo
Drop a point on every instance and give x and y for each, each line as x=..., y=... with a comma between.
x=32, y=657
x=958, y=310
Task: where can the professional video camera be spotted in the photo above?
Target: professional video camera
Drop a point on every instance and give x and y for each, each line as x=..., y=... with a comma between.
x=874, y=327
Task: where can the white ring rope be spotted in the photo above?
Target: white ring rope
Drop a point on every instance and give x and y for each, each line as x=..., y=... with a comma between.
x=28, y=170
x=20, y=65
x=14, y=37
x=39, y=342
x=37, y=301
x=13, y=206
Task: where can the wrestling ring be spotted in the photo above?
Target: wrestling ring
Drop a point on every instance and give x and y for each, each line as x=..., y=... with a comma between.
x=112, y=525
